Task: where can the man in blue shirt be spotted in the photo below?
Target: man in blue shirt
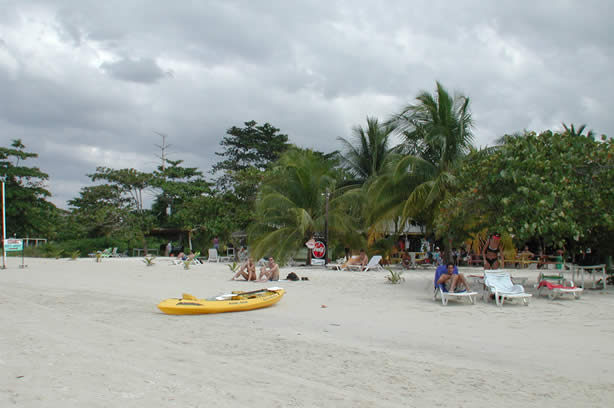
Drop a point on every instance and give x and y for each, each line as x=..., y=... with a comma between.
x=448, y=274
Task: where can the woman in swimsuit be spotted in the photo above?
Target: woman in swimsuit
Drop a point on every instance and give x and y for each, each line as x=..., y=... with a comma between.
x=493, y=252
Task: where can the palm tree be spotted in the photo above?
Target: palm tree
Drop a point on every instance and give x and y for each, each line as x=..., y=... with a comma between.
x=573, y=132
x=290, y=208
x=437, y=135
x=366, y=154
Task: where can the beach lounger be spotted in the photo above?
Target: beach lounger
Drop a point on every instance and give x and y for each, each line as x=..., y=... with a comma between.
x=213, y=257
x=499, y=284
x=334, y=266
x=442, y=291
x=372, y=265
x=555, y=286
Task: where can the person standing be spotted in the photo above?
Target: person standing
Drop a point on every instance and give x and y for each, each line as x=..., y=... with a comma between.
x=216, y=243
x=492, y=254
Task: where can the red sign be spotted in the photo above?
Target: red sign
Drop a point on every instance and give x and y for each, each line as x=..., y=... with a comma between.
x=319, y=250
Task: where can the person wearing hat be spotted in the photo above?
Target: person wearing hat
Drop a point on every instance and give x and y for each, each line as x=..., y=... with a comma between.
x=493, y=252
x=438, y=260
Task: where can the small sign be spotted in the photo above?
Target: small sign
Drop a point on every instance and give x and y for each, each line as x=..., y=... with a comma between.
x=319, y=250
x=311, y=243
x=12, y=245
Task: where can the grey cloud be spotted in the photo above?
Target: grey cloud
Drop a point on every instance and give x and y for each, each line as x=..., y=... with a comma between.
x=142, y=70
x=314, y=70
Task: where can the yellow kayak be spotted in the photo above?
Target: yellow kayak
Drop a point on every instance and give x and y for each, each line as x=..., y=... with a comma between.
x=232, y=302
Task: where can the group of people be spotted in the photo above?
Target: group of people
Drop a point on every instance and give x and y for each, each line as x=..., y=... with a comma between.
x=492, y=255
x=247, y=271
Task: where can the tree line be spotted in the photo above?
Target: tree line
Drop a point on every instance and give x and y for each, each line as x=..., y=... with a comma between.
x=555, y=188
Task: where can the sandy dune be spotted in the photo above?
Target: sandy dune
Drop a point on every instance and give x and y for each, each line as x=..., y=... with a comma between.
x=81, y=334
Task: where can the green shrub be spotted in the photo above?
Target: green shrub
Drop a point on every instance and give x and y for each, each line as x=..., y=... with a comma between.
x=149, y=260
x=395, y=277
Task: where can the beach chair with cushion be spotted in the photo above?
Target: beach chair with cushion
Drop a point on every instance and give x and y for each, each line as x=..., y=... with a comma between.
x=442, y=291
x=555, y=286
x=372, y=265
x=499, y=284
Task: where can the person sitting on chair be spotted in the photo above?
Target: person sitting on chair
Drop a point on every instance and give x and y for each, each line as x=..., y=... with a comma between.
x=448, y=275
x=362, y=259
x=269, y=272
x=406, y=260
x=247, y=271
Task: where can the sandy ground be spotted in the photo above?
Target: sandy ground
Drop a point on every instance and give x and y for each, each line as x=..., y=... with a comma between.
x=82, y=334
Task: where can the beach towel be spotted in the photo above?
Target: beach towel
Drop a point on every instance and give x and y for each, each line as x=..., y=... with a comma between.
x=551, y=285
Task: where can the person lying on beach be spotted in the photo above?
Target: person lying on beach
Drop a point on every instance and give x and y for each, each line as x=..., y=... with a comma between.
x=247, y=271
x=269, y=272
x=362, y=259
x=448, y=275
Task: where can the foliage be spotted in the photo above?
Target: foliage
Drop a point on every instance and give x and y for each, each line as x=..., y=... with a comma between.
x=437, y=135
x=117, y=206
x=556, y=187
x=290, y=208
x=233, y=267
x=74, y=255
x=99, y=211
x=27, y=211
x=130, y=182
x=177, y=185
x=395, y=277
x=187, y=263
x=366, y=156
x=149, y=260
x=249, y=147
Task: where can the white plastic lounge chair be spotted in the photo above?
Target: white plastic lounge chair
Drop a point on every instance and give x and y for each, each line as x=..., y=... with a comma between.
x=335, y=266
x=213, y=257
x=372, y=265
x=555, y=286
x=500, y=284
x=445, y=295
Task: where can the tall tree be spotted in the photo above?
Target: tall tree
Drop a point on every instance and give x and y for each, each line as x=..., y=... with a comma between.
x=251, y=146
x=439, y=128
x=177, y=185
x=28, y=213
x=130, y=183
x=555, y=187
x=100, y=210
x=365, y=155
x=291, y=205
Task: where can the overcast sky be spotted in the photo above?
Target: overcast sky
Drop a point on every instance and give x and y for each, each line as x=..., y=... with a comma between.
x=86, y=83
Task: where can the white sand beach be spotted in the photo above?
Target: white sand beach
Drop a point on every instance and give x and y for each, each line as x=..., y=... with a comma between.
x=82, y=334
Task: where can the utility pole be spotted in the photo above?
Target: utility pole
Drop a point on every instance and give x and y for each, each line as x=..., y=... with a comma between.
x=163, y=147
x=326, y=227
x=3, y=228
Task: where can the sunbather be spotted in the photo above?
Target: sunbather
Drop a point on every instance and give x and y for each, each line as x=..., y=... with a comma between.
x=269, y=272
x=448, y=274
x=361, y=260
x=247, y=271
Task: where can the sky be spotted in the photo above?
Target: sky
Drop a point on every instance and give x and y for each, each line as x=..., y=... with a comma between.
x=87, y=83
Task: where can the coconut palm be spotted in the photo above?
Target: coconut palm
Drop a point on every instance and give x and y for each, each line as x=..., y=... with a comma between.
x=365, y=155
x=577, y=132
x=291, y=205
x=437, y=134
